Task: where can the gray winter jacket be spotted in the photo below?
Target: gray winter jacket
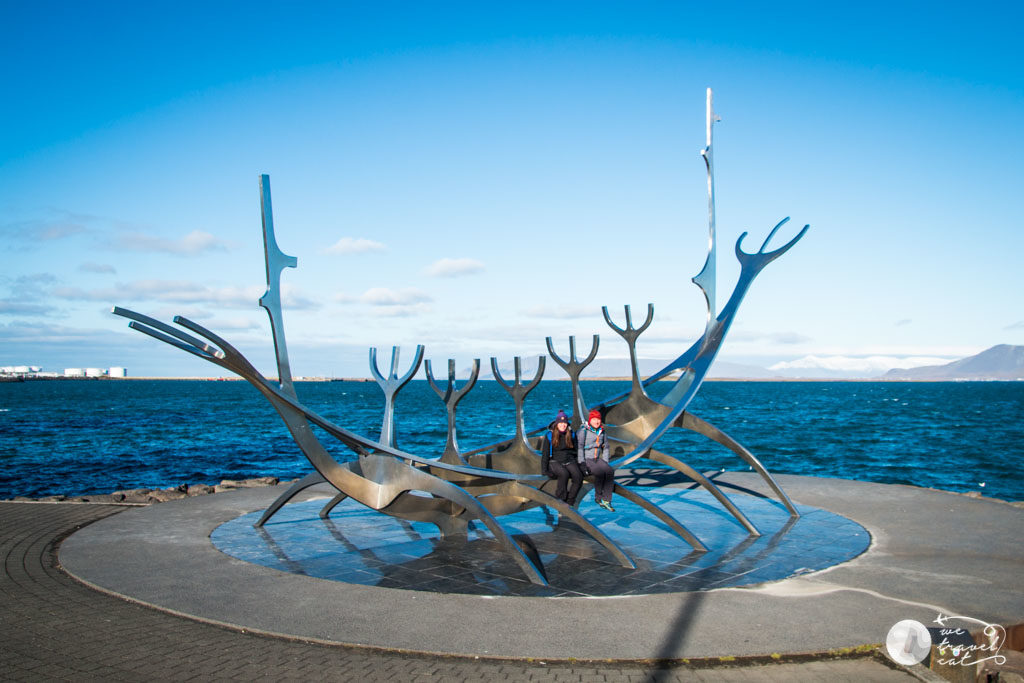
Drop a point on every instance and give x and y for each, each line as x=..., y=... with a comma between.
x=592, y=445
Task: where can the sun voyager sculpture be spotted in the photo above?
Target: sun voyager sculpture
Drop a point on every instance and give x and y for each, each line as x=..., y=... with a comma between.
x=502, y=478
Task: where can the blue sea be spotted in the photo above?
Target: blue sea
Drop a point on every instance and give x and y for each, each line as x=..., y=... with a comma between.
x=80, y=437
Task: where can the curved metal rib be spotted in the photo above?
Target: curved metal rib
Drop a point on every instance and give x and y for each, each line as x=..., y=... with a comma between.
x=708, y=485
x=706, y=279
x=704, y=353
x=514, y=488
x=392, y=477
x=391, y=385
x=451, y=397
x=230, y=358
x=633, y=417
x=694, y=423
x=518, y=456
x=703, y=481
x=630, y=335
x=668, y=519
x=311, y=479
x=276, y=261
x=325, y=511
x=408, y=478
x=573, y=368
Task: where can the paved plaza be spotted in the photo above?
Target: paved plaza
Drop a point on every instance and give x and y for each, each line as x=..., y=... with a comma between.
x=172, y=607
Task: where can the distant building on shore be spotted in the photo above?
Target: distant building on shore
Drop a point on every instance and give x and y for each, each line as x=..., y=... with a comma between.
x=114, y=372
x=36, y=372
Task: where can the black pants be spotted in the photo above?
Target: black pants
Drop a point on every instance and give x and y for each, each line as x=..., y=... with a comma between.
x=563, y=471
x=604, y=479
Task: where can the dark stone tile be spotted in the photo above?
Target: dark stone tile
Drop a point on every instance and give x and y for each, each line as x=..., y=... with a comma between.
x=362, y=546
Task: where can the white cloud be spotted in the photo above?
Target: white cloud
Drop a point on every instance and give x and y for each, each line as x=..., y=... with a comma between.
x=232, y=324
x=32, y=287
x=28, y=294
x=192, y=244
x=354, y=245
x=1019, y=325
x=787, y=338
x=562, y=311
x=185, y=293
x=866, y=364
x=343, y=298
x=44, y=332
x=66, y=224
x=404, y=311
x=453, y=267
x=751, y=336
x=11, y=307
x=382, y=296
x=191, y=312
x=91, y=267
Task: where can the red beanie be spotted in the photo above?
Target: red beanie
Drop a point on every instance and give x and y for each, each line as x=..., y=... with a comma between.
x=594, y=413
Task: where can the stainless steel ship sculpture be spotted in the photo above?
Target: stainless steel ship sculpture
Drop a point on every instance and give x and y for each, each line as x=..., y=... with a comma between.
x=502, y=478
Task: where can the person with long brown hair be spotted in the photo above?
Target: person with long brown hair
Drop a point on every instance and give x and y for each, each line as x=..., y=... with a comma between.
x=558, y=459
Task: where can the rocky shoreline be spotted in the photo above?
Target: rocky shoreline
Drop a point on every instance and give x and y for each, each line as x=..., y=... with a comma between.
x=149, y=496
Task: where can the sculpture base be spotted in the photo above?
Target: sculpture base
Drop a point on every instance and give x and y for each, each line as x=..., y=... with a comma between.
x=358, y=545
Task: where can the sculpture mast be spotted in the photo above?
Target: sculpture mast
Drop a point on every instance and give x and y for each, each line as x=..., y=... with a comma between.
x=276, y=261
x=706, y=278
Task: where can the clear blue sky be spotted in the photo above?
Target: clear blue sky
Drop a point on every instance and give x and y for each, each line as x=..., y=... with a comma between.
x=476, y=176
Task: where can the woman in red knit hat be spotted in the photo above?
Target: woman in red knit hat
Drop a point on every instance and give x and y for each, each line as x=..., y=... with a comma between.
x=593, y=454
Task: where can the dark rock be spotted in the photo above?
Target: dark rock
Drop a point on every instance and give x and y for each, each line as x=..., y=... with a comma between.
x=130, y=492
x=100, y=498
x=199, y=490
x=165, y=495
x=258, y=482
x=131, y=496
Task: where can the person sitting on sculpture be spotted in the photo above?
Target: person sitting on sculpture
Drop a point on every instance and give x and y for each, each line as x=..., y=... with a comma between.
x=558, y=459
x=593, y=455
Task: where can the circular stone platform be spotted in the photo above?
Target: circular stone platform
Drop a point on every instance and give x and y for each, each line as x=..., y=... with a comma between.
x=359, y=545
x=929, y=552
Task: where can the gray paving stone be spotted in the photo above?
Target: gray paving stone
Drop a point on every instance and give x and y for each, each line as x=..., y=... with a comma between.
x=56, y=628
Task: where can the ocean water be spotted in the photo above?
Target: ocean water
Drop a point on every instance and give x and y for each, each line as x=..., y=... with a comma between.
x=81, y=437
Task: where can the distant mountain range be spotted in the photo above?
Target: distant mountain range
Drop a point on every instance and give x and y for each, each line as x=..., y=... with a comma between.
x=619, y=367
x=1000, y=362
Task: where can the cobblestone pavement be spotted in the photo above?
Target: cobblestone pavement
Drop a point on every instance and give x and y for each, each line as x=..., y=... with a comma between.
x=54, y=628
